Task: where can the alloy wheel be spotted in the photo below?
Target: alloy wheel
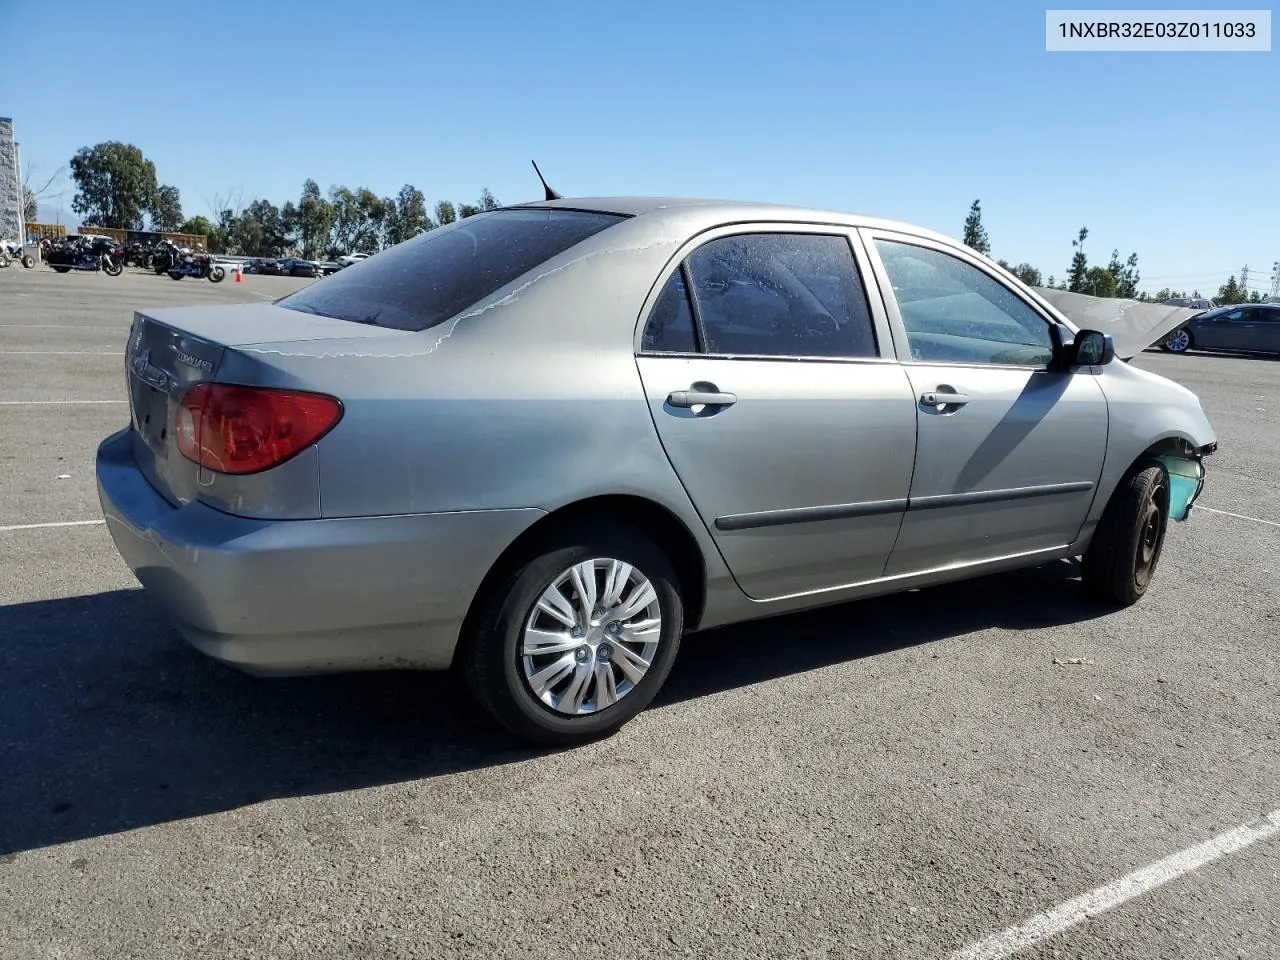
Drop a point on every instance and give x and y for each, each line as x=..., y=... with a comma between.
x=591, y=636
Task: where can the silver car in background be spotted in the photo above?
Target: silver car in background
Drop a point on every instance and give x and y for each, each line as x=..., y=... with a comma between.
x=544, y=442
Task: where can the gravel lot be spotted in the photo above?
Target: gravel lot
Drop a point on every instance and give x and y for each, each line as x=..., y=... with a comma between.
x=900, y=777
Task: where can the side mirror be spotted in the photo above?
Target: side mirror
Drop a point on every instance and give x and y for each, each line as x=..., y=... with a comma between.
x=1092, y=348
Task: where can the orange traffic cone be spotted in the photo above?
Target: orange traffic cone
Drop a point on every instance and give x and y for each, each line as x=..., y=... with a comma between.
x=239, y=278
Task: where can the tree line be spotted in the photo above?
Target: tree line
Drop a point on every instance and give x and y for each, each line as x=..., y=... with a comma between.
x=117, y=186
x=1117, y=279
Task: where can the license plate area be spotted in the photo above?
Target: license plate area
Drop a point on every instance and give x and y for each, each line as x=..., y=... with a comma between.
x=151, y=415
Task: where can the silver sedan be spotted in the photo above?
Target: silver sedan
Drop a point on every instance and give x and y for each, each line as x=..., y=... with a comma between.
x=544, y=442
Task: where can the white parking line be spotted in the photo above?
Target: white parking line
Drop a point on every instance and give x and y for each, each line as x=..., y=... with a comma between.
x=66, y=326
x=45, y=526
x=44, y=403
x=1045, y=925
x=1238, y=516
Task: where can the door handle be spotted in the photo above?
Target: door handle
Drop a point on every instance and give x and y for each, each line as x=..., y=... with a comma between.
x=933, y=398
x=694, y=398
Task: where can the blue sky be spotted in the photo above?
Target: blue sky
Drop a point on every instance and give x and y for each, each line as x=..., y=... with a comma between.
x=905, y=110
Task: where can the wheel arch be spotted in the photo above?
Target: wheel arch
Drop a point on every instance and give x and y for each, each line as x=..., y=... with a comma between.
x=1171, y=445
x=1175, y=443
x=667, y=531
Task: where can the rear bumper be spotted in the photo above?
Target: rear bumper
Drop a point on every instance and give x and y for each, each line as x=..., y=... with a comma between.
x=285, y=597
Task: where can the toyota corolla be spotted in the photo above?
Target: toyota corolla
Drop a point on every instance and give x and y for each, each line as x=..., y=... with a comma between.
x=542, y=443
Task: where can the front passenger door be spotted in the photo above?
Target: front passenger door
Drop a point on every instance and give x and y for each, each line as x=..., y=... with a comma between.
x=1008, y=451
x=1225, y=331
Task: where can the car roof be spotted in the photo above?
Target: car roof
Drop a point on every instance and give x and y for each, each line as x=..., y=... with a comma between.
x=725, y=210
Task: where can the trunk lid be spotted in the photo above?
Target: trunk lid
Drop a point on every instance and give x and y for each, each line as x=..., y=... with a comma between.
x=171, y=350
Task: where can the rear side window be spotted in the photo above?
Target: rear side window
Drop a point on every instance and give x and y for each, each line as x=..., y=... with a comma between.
x=439, y=274
x=767, y=295
x=671, y=328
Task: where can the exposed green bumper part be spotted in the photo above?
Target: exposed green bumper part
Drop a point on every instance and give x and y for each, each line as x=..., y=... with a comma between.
x=1186, y=480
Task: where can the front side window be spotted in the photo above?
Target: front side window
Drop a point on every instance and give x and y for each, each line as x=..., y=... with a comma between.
x=780, y=295
x=955, y=313
x=437, y=275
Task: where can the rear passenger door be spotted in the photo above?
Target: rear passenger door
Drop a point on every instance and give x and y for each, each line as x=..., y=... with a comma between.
x=780, y=406
x=1268, y=329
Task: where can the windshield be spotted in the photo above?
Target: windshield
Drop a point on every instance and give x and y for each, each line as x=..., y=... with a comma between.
x=439, y=274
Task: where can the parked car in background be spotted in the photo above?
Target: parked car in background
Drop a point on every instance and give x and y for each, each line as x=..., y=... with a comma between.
x=351, y=258
x=328, y=266
x=253, y=265
x=1248, y=327
x=1196, y=303
x=269, y=266
x=297, y=267
x=552, y=438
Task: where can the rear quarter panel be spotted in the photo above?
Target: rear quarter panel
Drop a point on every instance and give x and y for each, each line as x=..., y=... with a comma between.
x=530, y=400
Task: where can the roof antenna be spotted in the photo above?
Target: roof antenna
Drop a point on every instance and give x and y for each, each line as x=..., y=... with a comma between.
x=551, y=194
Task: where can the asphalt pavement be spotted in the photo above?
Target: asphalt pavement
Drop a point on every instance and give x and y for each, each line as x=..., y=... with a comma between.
x=902, y=777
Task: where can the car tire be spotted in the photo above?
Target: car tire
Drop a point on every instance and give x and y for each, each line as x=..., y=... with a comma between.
x=1125, y=549
x=1180, y=341
x=494, y=647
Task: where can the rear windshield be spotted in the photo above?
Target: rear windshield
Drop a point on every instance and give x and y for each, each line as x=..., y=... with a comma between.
x=437, y=275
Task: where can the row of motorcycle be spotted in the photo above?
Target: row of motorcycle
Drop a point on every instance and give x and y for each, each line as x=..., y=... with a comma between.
x=90, y=253
x=11, y=250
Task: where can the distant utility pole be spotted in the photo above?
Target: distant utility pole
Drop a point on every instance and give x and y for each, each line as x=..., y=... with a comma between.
x=1244, y=278
x=1275, y=279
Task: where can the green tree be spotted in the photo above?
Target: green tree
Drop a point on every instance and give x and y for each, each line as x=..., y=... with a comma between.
x=215, y=237
x=1232, y=292
x=346, y=219
x=201, y=226
x=115, y=185
x=409, y=217
x=314, y=221
x=1125, y=274
x=360, y=219
x=1027, y=274
x=166, y=209
x=975, y=234
x=1079, y=264
x=1052, y=282
x=289, y=225
x=1099, y=282
x=467, y=210
x=374, y=213
x=258, y=231
x=488, y=201
x=1129, y=277
x=445, y=213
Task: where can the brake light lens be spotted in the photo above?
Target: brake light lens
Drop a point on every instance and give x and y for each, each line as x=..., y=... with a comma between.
x=236, y=429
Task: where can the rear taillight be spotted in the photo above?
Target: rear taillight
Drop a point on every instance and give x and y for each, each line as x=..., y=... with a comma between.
x=235, y=429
